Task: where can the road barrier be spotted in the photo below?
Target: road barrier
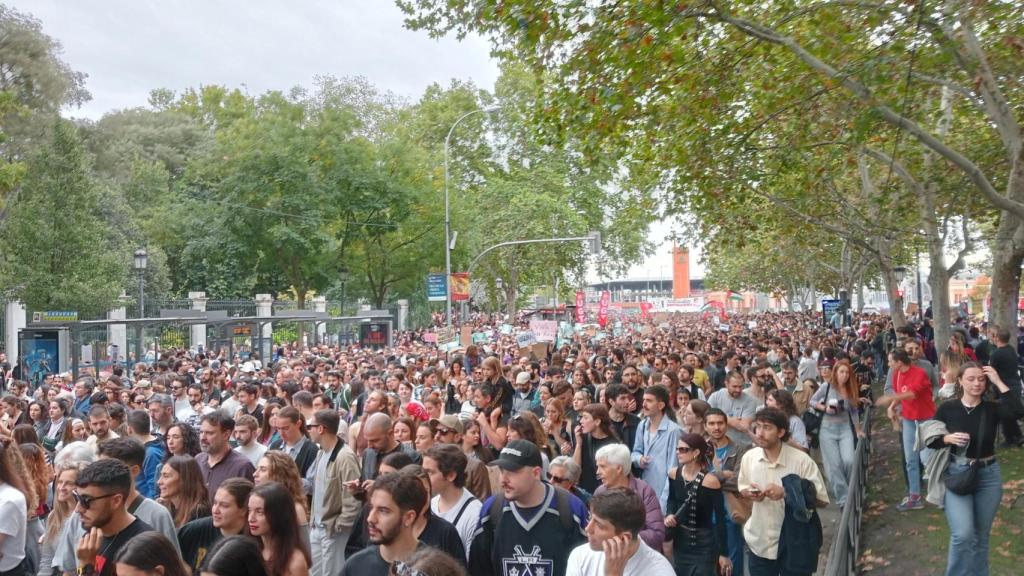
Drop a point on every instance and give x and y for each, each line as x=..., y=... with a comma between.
x=845, y=550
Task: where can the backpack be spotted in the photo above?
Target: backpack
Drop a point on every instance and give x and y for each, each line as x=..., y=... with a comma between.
x=561, y=502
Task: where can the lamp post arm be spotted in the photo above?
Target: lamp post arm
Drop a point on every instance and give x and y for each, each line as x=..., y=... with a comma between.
x=521, y=242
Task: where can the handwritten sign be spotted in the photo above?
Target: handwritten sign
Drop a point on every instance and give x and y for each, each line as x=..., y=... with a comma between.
x=544, y=330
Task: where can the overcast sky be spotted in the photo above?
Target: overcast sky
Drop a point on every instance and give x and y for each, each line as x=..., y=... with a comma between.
x=129, y=47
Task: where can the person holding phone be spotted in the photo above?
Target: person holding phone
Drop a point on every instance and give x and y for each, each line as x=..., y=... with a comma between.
x=971, y=423
x=839, y=402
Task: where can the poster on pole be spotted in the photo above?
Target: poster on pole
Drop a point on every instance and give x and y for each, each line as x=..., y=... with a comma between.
x=602, y=308
x=544, y=330
x=437, y=288
x=581, y=307
x=460, y=286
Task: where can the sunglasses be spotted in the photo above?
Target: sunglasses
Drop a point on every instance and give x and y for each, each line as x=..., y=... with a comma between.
x=682, y=450
x=311, y=426
x=85, y=501
x=557, y=479
x=445, y=431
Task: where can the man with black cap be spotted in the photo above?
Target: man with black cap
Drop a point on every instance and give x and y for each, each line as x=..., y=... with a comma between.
x=528, y=526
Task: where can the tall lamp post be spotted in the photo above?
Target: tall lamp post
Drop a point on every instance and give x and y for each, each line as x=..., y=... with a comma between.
x=141, y=261
x=448, y=240
x=343, y=274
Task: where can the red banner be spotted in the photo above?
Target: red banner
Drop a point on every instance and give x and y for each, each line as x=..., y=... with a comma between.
x=581, y=307
x=602, y=308
x=645, y=310
x=460, y=286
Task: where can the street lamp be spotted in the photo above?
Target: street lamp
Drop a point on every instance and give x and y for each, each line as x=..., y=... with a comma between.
x=900, y=272
x=448, y=240
x=141, y=261
x=343, y=275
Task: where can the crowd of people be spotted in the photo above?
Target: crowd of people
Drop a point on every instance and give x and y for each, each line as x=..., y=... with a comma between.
x=687, y=445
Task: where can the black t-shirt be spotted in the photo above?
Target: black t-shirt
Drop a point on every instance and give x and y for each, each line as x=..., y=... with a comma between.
x=626, y=429
x=983, y=441
x=109, y=547
x=196, y=538
x=1004, y=360
x=369, y=562
x=441, y=534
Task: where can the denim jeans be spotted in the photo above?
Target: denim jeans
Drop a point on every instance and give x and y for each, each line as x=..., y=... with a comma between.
x=915, y=460
x=970, y=522
x=736, y=544
x=838, y=448
x=757, y=566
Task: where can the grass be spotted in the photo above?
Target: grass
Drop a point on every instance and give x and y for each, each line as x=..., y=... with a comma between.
x=915, y=543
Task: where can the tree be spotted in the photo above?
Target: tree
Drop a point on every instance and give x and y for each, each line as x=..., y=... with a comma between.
x=58, y=251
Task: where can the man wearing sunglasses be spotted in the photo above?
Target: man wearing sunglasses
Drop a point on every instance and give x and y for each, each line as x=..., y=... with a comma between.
x=101, y=497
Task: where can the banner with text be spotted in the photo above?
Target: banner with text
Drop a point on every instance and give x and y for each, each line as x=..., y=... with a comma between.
x=544, y=330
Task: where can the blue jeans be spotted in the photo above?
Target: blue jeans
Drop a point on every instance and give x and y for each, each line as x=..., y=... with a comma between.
x=838, y=448
x=734, y=538
x=915, y=460
x=970, y=522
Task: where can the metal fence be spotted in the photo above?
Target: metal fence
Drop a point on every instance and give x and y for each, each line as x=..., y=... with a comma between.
x=845, y=550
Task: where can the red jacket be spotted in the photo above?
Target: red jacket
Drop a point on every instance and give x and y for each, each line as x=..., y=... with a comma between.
x=922, y=405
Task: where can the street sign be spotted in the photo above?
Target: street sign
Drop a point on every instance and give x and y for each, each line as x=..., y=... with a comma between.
x=55, y=316
x=437, y=288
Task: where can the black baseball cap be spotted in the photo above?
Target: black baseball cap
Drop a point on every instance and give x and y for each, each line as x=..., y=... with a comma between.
x=519, y=453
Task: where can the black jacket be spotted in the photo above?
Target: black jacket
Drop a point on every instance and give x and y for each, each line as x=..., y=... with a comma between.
x=800, y=539
x=304, y=459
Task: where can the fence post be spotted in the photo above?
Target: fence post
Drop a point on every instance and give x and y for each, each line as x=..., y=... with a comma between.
x=15, y=319
x=117, y=334
x=265, y=309
x=197, y=334
x=403, y=315
x=320, y=328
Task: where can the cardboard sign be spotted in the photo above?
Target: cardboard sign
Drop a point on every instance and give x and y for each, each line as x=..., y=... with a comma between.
x=445, y=336
x=430, y=337
x=466, y=335
x=506, y=329
x=540, y=350
x=526, y=339
x=479, y=337
x=544, y=330
x=660, y=317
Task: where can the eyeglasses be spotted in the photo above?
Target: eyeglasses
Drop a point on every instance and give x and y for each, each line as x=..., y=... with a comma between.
x=85, y=501
x=683, y=450
x=311, y=426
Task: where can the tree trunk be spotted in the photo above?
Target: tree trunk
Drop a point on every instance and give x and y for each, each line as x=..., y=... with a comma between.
x=899, y=318
x=1007, y=255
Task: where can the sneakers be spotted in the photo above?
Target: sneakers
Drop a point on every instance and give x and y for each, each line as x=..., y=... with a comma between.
x=912, y=502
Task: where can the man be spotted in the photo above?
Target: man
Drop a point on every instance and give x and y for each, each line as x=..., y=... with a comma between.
x=807, y=369
x=762, y=471
x=246, y=430
x=913, y=391
x=334, y=509
x=530, y=525
x=218, y=461
x=445, y=465
x=154, y=450
x=380, y=442
x=525, y=396
x=449, y=430
x=99, y=423
x=248, y=396
x=788, y=380
x=373, y=404
x=102, y=497
x=161, y=413
x=179, y=399
x=654, y=450
x=228, y=517
x=613, y=546
x=739, y=407
x=623, y=422
x=395, y=503
x=725, y=466
x=1004, y=360
x=199, y=407
x=289, y=424
x=83, y=397
x=631, y=380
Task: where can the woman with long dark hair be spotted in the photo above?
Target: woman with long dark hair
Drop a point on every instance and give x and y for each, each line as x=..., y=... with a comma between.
x=471, y=445
x=183, y=490
x=150, y=553
x=593, y=433
x=234, y=556
x=182, y=440
x=18, y=499
x=57, y=410
x=783, y=400
x=272, y=519
x=694, y=502
x=971, y=423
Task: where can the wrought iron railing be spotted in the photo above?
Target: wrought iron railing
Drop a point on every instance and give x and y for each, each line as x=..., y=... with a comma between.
x=845, y=550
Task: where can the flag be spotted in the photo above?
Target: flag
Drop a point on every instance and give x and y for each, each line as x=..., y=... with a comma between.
x=581, y=307
x=602, y=308
x=735, y=296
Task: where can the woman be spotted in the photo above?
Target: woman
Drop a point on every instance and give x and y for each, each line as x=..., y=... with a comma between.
x=424, y=437
x=404, y=430
x=272, y=519
x=615, y=471
x=37, y=415
x=526, y=426
x=18, y=500
x=580, y=400
x=971, y=423
x=269, y=433
x=694, y=500
x=63, y=505
x=278, y=467
x=40, y=474
x=556, y=426
x=14, y=408
x=503, y=391
x=593, y=433
x=471, y=445
x=839, y=402
x=234, y=556
x=427, y=561
x=57, y=411
x=183, y=490
x=683, y=398
x=949, y=368
x=150, y=553
x=783, y=400
x=693, y=416
x=405, y=389
x=182, y=440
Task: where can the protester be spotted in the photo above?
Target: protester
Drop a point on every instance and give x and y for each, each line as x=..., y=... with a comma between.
x=272, y=519
x=334, y=509
x=698, y=542
x=613, y=543
x=839, y=402
x=445, y=465
x=593, y=433
x=234, y=556
x=228, y=517
x=911, y=404
x=395, y=501
x=218, y=461
x=183, y=491
x=614, y=471
x=276, y=466
x=150, y=553
x=654, y=450
x=17, y=498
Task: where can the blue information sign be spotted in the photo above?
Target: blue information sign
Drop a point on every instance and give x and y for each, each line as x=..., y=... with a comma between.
x=830, y=307
x=437, y=288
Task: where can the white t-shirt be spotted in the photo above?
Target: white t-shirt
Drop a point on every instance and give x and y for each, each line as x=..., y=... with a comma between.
x=13, y=524
x=467, y=522
x=253, y=452
x=645, y=562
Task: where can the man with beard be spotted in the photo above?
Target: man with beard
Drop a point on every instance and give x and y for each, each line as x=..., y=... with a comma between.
x=218, y=461
x=101, y=497
x=395, y=503
x=631, y=380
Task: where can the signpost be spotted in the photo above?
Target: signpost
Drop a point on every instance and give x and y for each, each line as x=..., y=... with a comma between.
x=437, y=288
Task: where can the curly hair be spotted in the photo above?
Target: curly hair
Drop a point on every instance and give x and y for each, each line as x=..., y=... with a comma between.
x=14, y=471
x=189, y=435
x=284, y=471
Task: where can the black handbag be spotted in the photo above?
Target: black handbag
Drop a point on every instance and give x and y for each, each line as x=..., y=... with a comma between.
x=965, y=482
x=812, y=417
